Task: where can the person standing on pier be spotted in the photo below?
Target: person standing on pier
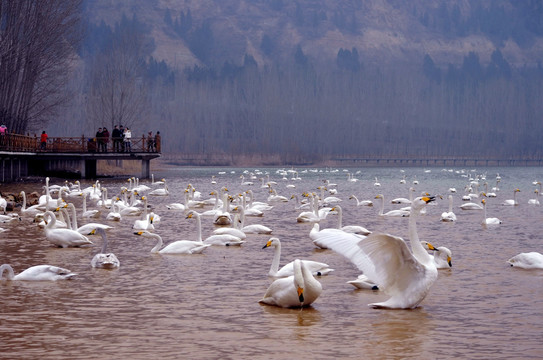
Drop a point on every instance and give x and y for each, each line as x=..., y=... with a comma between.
x=127, y=139
x=99, y=135
x=105, y=139
x=157, y=141
x=43, y=140
x=150, y=141
x=116, y=138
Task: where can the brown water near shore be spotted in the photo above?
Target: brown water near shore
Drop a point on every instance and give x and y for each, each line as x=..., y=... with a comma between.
x=206, y=306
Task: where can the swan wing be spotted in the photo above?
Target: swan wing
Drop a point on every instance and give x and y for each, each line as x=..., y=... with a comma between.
x=395, y=268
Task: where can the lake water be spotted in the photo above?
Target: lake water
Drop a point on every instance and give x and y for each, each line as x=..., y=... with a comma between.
x=206, y=306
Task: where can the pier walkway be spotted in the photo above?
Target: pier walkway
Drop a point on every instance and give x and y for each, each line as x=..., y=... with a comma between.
x=22, y=155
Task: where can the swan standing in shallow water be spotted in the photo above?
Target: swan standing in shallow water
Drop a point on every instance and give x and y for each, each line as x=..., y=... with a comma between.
x=37, y=273
x=104, y=260
x=529, y=260
x=448, y=216
x=298, y=290
x=403, y=273
x=315, y=267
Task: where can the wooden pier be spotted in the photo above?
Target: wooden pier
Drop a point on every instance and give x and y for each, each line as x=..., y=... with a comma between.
x=22, y=155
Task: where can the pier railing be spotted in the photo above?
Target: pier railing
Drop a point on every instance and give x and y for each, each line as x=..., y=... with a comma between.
x=82, y=144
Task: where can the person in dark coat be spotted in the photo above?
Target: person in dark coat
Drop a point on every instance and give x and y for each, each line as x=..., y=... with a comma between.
x=105, y=139
x=99, y=135
x=116, y=138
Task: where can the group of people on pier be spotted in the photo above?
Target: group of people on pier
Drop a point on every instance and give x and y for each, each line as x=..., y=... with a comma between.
x=121, y=138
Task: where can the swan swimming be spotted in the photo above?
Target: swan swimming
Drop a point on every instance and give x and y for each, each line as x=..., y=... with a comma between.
x=176, y=247
x=442, y=255
x=488, y=221
x=37, y=273
x=315, y=267
x=104, y=260
x=63, y=237
x=528, y=260
x=298, y=290
x=405, y=274
x=449, y=216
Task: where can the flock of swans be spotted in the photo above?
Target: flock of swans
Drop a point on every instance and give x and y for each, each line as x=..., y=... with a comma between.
x=404, y=270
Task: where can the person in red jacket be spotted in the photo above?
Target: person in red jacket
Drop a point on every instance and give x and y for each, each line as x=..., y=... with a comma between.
x=43, y=140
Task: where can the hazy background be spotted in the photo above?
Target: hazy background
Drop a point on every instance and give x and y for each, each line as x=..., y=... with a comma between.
x=307, y=80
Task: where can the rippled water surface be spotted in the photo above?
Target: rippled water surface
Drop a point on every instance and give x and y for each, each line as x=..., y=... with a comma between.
x=206, y=306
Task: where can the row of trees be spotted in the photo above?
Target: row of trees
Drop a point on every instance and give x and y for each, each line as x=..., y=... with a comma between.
x=37, y=39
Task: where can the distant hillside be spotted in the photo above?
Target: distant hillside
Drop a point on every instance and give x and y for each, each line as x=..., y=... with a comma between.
x=211, y=32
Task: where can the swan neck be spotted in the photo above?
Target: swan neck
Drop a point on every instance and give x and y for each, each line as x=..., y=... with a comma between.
x=9, y=269
x=340, y=217
x=419, y=252
x=72, y=208
x=276, y=259
x=198, y=228
x=158, y=243
x=104, y=241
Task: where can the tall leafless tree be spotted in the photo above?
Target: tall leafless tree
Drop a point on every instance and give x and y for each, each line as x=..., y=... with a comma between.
x=37, y=46
x=118, y=95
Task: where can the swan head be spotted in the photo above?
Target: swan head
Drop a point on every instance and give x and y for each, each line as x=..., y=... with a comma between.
x=421, y=201
x=271, y=242
x=428, y=246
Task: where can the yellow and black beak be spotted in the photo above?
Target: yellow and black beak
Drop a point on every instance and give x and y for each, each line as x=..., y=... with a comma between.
x=300, y=294
x=268, y=244
x=428, y=199
x=449, y=261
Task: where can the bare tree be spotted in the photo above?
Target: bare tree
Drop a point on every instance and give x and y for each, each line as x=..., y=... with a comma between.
x=118, y=95
x=37, y=40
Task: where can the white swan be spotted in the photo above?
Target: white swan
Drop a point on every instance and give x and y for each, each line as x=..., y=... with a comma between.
x=37, y=273
x=488, y=221
x=355, y=229
x=404, y=200
x=89, y=213
x=512, y=202
x=298, y=290
x=361, y=203
x=252, y=228
x=63, y=237
x=176, y=247
x=87, y=229
x=114, y=214
x=391, y=213
x=104, y=260
x=403, y=273
x=315, y=267
x=32, y=210
x=536, y=200
x=216, y=239
x=161, y=191
x=231, y=230
x=448, y=216
x=442, y=255
x=529, y=260
x=363, y=282
x=154, y=183
x=223, y=217
x=259, y=205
